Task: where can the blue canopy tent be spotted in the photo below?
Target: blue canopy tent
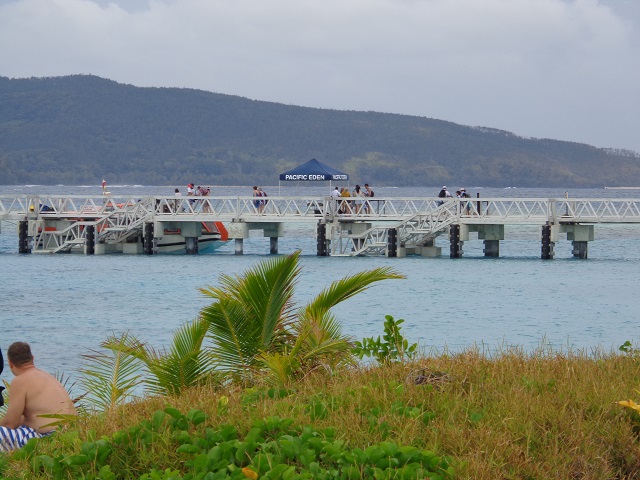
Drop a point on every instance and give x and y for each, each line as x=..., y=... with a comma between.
x=313, y=171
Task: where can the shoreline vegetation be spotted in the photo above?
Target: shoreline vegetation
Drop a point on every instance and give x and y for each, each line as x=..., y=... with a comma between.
x=257, y=387
x=517, y=416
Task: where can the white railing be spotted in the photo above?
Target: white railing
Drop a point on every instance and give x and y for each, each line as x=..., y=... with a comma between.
x=396, y=209
x=416, y=220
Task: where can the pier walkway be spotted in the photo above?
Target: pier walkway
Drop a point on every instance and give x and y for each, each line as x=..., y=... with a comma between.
x=393, y=226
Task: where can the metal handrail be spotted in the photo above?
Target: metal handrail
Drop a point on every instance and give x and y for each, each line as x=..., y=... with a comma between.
x=305, y=208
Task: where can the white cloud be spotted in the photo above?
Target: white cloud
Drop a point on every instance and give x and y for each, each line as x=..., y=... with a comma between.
x=545, y=68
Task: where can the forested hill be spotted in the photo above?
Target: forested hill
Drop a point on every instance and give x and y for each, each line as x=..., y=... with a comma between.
x=79, y=129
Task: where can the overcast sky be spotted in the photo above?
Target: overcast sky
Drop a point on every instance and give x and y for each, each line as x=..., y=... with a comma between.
x=564, y=69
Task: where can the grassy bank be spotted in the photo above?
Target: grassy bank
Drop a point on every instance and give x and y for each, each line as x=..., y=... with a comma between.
x=257, y=387
x=513, y=416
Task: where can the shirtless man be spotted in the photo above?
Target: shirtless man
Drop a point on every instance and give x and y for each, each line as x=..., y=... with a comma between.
x=33, y=393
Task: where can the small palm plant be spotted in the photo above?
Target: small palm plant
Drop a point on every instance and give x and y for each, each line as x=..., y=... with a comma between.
x=110, y=379
x=254, y=325
x=169, y=372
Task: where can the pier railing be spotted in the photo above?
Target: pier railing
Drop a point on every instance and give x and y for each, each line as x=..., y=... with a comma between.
x=125, y=210
x=354, y=225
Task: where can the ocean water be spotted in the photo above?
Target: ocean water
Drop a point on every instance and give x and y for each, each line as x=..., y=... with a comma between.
x=65, y=305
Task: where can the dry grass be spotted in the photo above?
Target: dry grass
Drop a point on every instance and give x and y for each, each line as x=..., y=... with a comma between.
x=512, y=416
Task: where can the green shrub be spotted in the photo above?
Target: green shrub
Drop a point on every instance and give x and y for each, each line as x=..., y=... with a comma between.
x=392, y=347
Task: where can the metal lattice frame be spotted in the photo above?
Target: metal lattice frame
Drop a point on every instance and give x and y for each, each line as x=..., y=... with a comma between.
x=417, y=220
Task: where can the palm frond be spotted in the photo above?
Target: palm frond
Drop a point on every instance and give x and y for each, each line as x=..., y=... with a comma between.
x=251, y=322
x=188, y=338
x=184, y=365
x=318, y=334
x=281, y=368
x=331, y=351
x=275, y=281
x=110, y=378
x=320, y=340
x=60, y=419
x=130, y=345
x=341, y=290
x=236, y=338
x=320, y=327
x=250, y=313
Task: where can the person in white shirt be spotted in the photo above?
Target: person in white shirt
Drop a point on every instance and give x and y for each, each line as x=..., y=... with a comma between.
x=176, y=203
x=358, y=193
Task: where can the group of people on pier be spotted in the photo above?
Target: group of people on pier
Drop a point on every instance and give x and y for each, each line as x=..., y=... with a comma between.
x=260, y=202
x=461, y=193
x=353, y=206
x=196, y=205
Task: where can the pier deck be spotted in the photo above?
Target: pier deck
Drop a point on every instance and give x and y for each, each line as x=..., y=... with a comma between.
x=394, y=226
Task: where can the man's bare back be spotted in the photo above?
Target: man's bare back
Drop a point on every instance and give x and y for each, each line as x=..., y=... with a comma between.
x=33, y=393
x=39, y=393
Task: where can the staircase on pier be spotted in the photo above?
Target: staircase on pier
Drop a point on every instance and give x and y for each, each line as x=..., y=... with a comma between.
x=415, y=232
x=71, y=226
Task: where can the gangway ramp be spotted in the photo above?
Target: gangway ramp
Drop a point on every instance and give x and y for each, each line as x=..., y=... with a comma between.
x=415, y=231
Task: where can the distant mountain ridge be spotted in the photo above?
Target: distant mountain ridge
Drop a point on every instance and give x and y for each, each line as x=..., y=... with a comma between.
x=78, y=129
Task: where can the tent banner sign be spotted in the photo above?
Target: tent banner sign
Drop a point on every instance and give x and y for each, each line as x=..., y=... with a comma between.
x=312, y=171
x=308, y=177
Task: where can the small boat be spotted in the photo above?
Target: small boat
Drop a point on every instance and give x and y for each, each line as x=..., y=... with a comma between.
x=213, y=236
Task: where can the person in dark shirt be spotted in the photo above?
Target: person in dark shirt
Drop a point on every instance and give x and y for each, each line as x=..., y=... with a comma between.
x=444, y=193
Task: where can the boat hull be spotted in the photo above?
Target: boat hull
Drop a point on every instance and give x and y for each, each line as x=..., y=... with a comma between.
x=176, y=245
x=213, y=235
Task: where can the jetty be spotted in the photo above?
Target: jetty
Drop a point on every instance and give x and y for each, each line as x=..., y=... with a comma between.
x=392, y=226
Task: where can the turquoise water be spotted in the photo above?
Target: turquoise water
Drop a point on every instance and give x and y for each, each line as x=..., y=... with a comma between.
x=65, y=305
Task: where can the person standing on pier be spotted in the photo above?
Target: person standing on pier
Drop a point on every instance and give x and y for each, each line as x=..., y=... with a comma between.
x=33, y=396
x=368, y=192
x=177, y=204
x=191, y=193
x=263, y=202
x=202, y=204
x=444, y=193
x=256, y=194
x=197, y=203
x=357, y=192
x=345, y=207
x=467, y=205
x=206, y=205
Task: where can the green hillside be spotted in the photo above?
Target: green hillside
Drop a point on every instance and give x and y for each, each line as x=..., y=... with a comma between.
x=79, y=129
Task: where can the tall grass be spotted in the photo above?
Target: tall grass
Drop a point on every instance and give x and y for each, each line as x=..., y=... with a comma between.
x=506, y=415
